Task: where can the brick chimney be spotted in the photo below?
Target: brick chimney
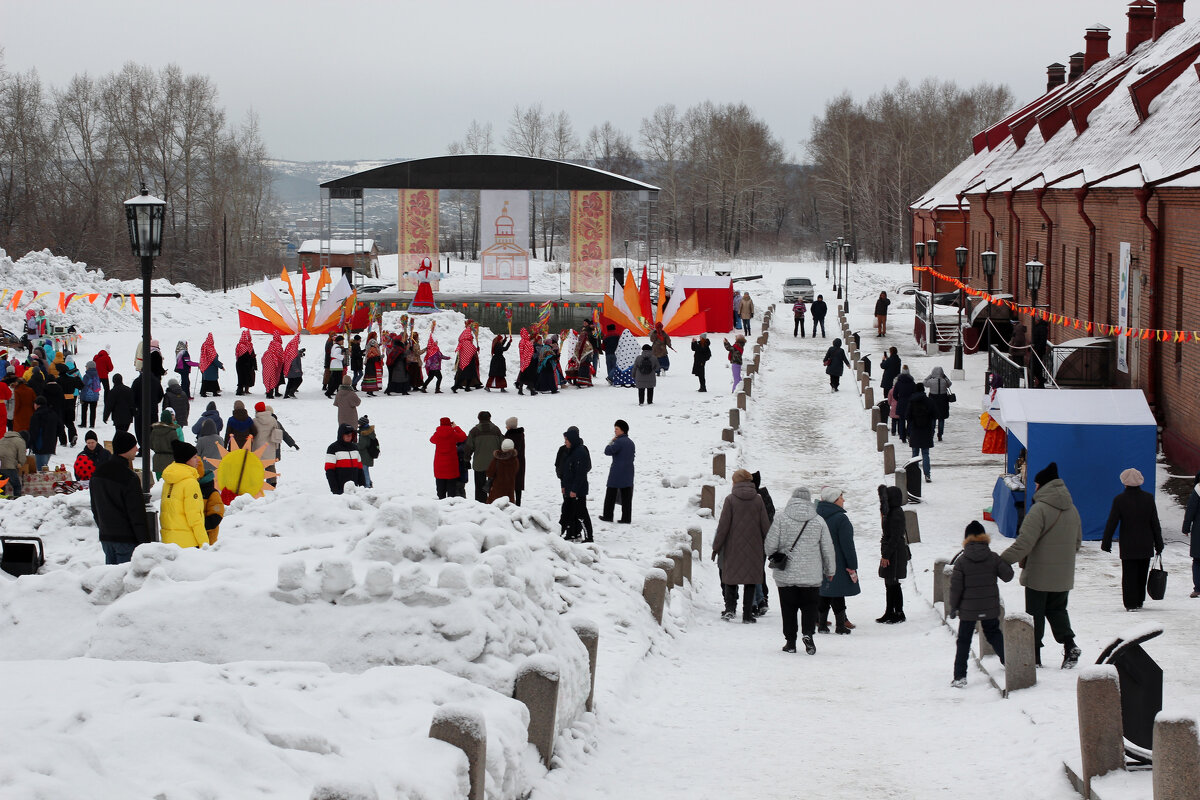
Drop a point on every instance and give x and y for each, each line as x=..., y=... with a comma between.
x=1141, y=24
x=1096, y=49
x=1056, y=75
x=1168, y=15
x=1076, y=67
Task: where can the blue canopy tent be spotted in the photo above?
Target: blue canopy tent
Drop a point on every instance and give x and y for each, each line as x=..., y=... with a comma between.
x=1092, y=434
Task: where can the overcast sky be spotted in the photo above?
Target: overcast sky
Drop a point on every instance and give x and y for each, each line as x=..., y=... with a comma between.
x=374, y=79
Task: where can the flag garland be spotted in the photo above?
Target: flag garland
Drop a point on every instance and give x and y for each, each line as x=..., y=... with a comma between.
x=1089, y=326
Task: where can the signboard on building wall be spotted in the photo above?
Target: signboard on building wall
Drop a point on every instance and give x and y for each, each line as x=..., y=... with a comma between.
x=504, y=225
x=1123, y=310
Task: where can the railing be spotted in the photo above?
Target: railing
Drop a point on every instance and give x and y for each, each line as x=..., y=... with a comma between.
x=1004, y=371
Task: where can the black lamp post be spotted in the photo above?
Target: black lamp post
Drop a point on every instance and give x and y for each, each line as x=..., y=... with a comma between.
x=846, y=248
x=837, y=265
x=1033, y=281
x=960, y=260
x=828, y=256
x=145, y=215
x=988, y=259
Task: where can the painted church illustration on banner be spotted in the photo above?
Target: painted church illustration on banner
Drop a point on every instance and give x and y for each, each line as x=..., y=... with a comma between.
x=505, y=263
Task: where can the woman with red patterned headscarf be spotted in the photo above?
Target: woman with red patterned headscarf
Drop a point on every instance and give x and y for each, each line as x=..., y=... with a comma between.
x=210, y=367
x=245, y=363
x=433, y=364
x=467, y=376
x=272, y=366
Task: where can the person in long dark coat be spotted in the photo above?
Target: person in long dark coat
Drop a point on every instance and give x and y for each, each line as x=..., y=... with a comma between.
x=894, y=554
x=246, y=367
x=1134, y=512
x=902, y=390
x=831, y=508
x=573, y=469
x=741, y=531
x=118, y=404
x=937, y=388
x=835, y=363
x=701, y=353
x=920, y=419
x=644, y=375
x=498, y=367
x=517, y=435
x=890, y=367
x=397, y=366
x=620, y=475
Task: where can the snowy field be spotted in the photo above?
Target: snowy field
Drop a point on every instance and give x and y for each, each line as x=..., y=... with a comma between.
x=311, y=645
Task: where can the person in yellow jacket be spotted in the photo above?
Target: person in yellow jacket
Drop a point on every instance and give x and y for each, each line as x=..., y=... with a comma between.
x=181, y=514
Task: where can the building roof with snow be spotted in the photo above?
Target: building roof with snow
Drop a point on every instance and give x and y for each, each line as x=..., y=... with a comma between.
x=338, y=247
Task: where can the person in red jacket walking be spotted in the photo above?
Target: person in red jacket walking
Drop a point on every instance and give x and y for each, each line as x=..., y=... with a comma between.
x=445, y=458
x=104, y=366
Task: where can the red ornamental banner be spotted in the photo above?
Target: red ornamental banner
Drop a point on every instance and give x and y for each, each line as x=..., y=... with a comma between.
x=591, y=241
x=417, y=234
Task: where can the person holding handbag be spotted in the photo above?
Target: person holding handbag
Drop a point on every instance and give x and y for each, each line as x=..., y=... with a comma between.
x=1133, y=510
x=937, y=386
x=802, y=557
x=832, y=508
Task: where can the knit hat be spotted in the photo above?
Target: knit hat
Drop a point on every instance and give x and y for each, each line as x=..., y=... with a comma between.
x=830, y=494
x=238, y=405
x=182, y=451
x=91, y=435
x=168, y=415
x=260, y=406
x=173, y=383
x=507, y=445
x=741, y=476
x=484, y=416
x=364, y=422
x=124, y=442
x=444, y=421
x=510, y=423
x=622, y=424
x=645, y=347
x=974, y=528
x=1131, y=477
x=1048, y=474
x=90, y=365
x=345, y=429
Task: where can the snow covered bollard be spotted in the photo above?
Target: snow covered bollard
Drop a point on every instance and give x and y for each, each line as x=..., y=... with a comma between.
x=889, y=456
x=1020, y=653
x=696, y=535
x=537, y=687
x=741, y=401
x=748, y=386
x=343, y=789
x=466, y=729
x=947, y=576
x=912, y=525
x=668, y=566
x=881, y=437
x=685, y=564
x=868, y=396
x=589, y=633
x=939, y=581
x=337, y=578
x=1176, y=758
x=719, y=465
x=727, y=435
x=735, y=418
x=654, y=592
x=1101, y=736
x=708, y=497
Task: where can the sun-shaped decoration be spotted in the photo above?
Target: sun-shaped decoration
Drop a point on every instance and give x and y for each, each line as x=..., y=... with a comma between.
x=242, y=471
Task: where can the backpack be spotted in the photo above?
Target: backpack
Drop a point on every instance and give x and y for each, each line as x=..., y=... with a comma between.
x=644, y=366
x=373, y=448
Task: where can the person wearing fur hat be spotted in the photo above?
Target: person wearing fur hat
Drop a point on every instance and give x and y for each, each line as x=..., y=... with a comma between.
x=347, y=402
x=482, y=441
x=572, y=465
x=117, y=503
x=368, y=447
x=894, y=553
x=163, y=435
x=502, y=473
x=342, y=462
x=239, y=427
x=738, y=543
x=516, y=434
x=975, y=597
x=90, y=457
x=832, y=508
x=1050, y=536
x=181, y=511
x=1134, y=512
x=446, y=469
x=801, y=535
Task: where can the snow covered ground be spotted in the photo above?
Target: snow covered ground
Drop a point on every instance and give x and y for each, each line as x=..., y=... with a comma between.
x=288, y=674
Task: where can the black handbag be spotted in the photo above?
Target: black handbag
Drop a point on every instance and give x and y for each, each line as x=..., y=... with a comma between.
x=951, y=397
x=779, y=559
x=1156, y=583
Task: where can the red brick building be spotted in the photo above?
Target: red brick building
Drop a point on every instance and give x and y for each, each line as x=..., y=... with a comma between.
x=1109, y=156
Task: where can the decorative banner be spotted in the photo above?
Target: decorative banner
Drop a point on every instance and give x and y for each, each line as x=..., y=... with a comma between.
x=1123, y=309
x=504, y=232
x=417, y=234
x=591, y=241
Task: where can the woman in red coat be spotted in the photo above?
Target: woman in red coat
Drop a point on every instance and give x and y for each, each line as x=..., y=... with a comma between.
x=445, y=457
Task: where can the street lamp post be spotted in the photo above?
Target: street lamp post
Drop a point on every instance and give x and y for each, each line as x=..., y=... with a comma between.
x=1033, y=281
x=988, y=259
x=960, y=260
x=144, y=215
x=828, y=255
x=846, y=277
x=837, y=265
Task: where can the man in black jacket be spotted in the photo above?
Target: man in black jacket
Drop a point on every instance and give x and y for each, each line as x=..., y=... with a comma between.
x=117, y=503
x=118, y=404
x=1134, y=511
x=573, y=464
x=818, y=309
x=46, y=431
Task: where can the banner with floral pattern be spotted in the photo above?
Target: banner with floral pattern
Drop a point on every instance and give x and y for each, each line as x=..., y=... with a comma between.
x=591, y=241
x=417, y=234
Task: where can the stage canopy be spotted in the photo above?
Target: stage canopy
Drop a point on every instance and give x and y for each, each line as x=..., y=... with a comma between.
x=488, y=172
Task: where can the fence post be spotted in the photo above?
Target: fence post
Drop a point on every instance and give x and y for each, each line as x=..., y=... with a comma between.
x=913, y=525
x=735, y=418
x=741, y=400
x=881, y=436
x=1101, y=737
x=1176, y=758
x=939, y=580
x=465, y=728
x=889, y=457
x=727, y=435
x=697, y=537
x=868, y=395
x=685, y=556
x=708, y=497
x=874, y=417
x=537, y=687
x=654, y=592
x=589, y=633
x=667, y=565
x=1020, y=654
x=719, y=465
x=748, y=386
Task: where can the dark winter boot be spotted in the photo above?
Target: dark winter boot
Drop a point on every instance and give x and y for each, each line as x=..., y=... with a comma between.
x=823, y=626
x=789, y=646
x=841, y=623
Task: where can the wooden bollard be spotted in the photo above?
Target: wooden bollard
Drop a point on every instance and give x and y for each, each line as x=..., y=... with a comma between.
x=766, y=337
x=697, y=537
x=685, y=555
x=756, y=362
x=874, y=417
x=939, y=581
x=947, y=576
x=912, y=525
x=537, y=687
x=589, y=633
x=668, y=567
x=901, y=483
x=654, y=592
x=741, y=400
x=1101, y=736
x=1176, y=758
x=727, y=434
x=735, y=418
x=708, y=497
x=465, y=728
x=1020, y=654
x=751, y=368
x=869, y=396
x=889, y=459
x=719, y=465
x=881, y=436
x=748, y=386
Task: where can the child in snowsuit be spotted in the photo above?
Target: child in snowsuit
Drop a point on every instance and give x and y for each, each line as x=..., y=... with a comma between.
x=975, y=597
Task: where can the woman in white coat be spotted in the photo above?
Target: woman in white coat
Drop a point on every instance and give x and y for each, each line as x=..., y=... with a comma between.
x=801, y=535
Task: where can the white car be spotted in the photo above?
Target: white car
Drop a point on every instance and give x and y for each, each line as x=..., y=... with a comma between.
x=797, y=289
